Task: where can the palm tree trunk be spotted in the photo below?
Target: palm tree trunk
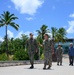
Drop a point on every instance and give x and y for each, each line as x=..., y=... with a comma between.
x=53, y=43
x=53, y=50
x=6, y=42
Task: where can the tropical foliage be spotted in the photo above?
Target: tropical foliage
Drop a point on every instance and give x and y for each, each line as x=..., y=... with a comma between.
x=16, y=47
x=7, y=19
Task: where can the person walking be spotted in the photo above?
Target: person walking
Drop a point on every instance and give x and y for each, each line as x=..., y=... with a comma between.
x=47, y=52
x=71, y=54
x=32, y=47
x=59, y=54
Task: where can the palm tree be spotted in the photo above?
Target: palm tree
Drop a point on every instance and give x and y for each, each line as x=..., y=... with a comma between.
x=7, y=19
x=61, y=35
x=53, y=32
x=58, y=35
x=42, y=31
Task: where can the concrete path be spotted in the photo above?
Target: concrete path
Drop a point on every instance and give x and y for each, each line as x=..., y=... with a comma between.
x=24, y=69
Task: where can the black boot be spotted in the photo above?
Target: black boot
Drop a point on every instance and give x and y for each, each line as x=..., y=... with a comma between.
x=49, y=67
x=44, y=67
x=32, y=66
x=58, y=64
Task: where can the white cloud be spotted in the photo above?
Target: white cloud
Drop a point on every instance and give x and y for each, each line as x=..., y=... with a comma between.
x=19, y=34
x=29, y=18
x=27, y=6
x=26, y=33
x=34, y=33
x=71, y=15
x=1, y=39
x=71, y=27
x=65, y=27
x=10, y=34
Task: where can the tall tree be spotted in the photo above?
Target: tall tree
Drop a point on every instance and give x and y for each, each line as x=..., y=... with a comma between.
x=53, y=32
x=24, y=38
x=42, y=31
x=7, y=19
x=61, y=35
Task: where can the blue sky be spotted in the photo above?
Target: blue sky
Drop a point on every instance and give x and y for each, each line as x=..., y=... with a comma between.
x=33, y=14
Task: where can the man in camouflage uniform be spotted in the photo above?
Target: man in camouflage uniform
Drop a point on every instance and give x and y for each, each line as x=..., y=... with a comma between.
x=47, y=52
x=32, y=47
x=59, y=53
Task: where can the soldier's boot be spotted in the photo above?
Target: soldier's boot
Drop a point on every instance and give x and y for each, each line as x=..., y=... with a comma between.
x=60, y=64
x=44, y=67
x=49, y=67
x=32, y=66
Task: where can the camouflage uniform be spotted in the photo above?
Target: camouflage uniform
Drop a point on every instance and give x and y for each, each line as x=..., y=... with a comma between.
x=59, y=52
x=31, y=46
x=47, y=53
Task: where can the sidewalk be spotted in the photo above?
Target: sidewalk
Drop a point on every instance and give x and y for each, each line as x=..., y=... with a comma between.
x=24, y=69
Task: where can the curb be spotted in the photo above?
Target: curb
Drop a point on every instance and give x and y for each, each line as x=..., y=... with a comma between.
x=17, y=63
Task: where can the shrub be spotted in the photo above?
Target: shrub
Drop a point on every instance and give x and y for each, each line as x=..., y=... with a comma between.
x=3, y=57
x=20, y=55
x=42, y=56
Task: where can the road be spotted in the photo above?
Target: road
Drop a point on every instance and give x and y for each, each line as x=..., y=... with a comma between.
x=65, y=69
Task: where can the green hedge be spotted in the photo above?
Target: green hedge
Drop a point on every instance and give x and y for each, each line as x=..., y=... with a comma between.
x=21, y=55
x=3, y=57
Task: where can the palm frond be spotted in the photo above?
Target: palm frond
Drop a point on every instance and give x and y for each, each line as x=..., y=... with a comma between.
x=2, y=24
x=16, y=26
x=1, y=21
x=7, y=19
x=12, y=18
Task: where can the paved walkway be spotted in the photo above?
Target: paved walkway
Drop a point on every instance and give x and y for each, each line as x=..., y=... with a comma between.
x=24, y=69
